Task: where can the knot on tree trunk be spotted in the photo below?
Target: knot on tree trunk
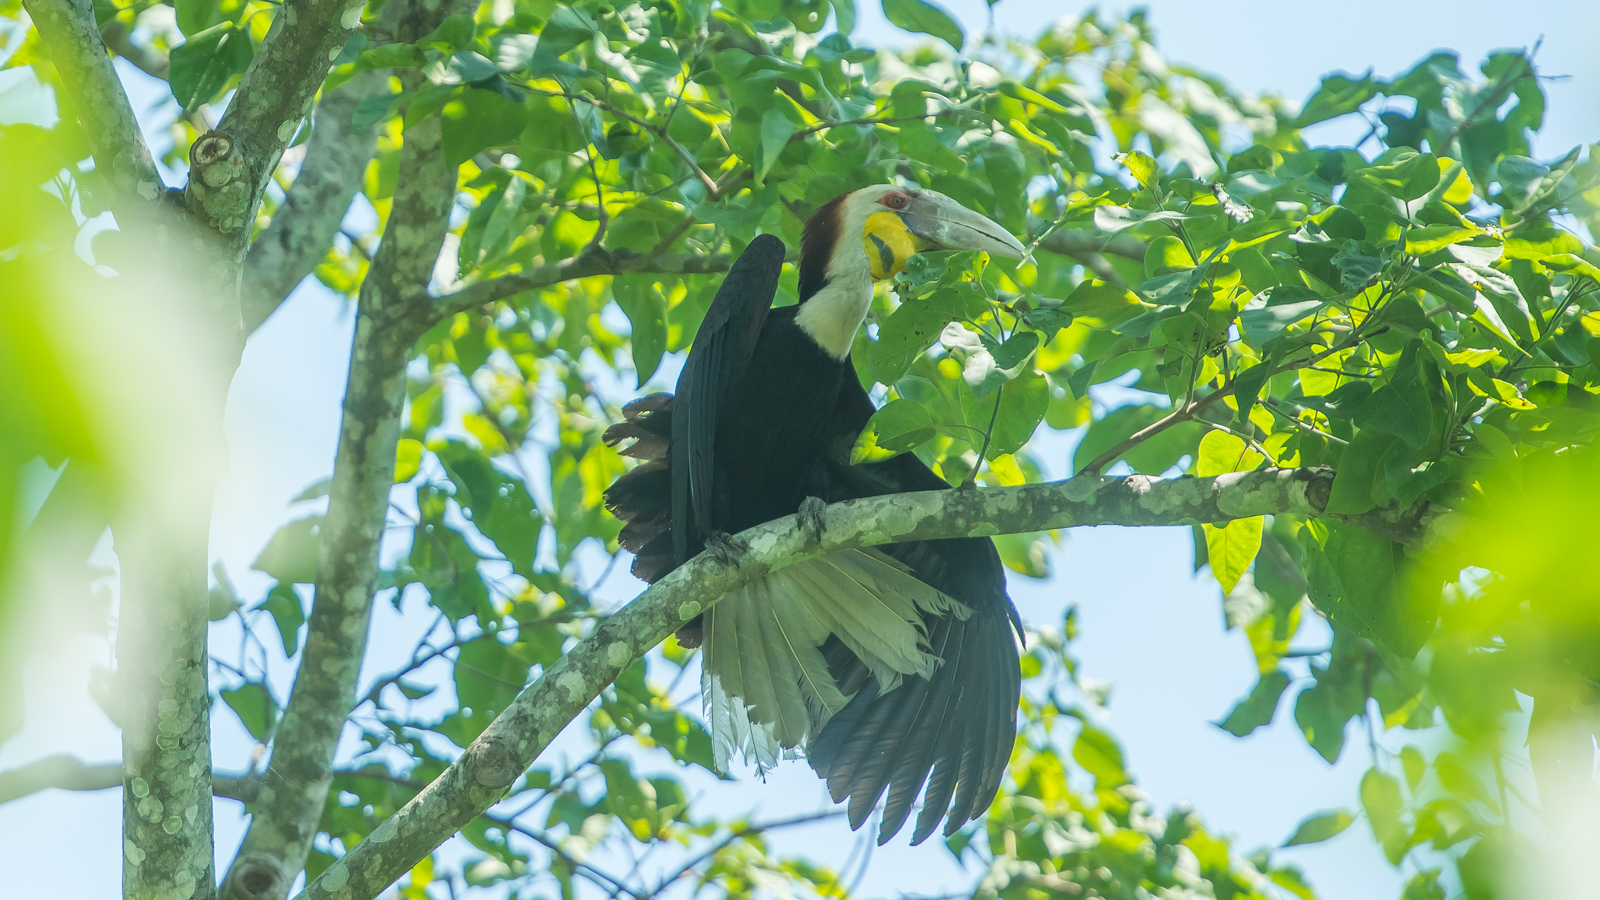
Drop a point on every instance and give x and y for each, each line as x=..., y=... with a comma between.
x=497, y=766
x=257, y=876
x=220, y=186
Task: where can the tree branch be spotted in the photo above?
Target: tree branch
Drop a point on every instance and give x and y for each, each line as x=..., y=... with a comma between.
x=60, y=771
x=1069, y=242
x=596, y=262
x=68, y=773
x=161, y=673
x=483, y=774
x=68, y=28
x=274, y=95
x=301, y=230
x=301, y=770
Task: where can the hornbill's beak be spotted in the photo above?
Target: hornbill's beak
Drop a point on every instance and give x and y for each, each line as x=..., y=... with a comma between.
x=943, y=224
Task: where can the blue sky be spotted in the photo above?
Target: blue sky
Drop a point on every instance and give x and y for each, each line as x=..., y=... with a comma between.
x=1148, y=625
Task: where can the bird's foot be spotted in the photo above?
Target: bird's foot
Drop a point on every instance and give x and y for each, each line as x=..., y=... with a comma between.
x=726, y=548
x=811, y=516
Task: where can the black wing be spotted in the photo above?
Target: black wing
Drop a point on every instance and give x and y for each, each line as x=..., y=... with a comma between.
x=721, y=351
x=953, y=731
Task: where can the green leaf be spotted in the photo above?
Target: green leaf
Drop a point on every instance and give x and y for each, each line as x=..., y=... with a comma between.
x=372, y=110
x=1422, y=241
x=407, y=460
x=1023, y=402
x=1101, y=300
x=477, y=119
x=1374, y=603
x=898, y=426
x=1264, y=324
x=255, y=708
x=912, y=329
x=1458, y=779
x=1257, y=709
x=641, y=300
x=1401, y=407
x=488, y=676
x=1571, y=265
x=1380, y=797
x=514, y=524
x=1410, y=176
x=1112, y=219
x=291, y=555
x=989, y=368
x=1101, y=757
x=1338, y=95
x=1322, y=711
x=1221, y=453
x=283, y=604
x=454, y=33
x=1317, y=828
x=924, y=18
x=1359, y=469
x=201, y=67
x=776, y=129
x=1142, y=166
x=568, y=27
x=1416, y=767
x=1232, y=547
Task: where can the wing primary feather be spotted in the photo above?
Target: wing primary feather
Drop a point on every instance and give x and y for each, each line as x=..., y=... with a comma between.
x=921, y=738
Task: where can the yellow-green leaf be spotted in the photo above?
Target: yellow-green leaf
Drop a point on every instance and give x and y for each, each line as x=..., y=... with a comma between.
x=1232, y=548
x=407, y=459
x=1141, y=165
x=1221, y=452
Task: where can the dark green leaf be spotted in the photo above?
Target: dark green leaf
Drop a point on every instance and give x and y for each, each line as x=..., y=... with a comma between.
x=1264, y=324
x=1257, y=709
x=254, y=707
x=291, y=555
x=898, y=426
x=202, y=65
x=924, y=18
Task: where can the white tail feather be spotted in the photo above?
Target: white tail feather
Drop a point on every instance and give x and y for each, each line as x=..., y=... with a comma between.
x=766, y=684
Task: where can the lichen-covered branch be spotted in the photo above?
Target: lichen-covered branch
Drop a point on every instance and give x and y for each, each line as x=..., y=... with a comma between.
x=60, y=771
x=514, y=740
x=1076, y=242
x=594, y=262
x=276, y=91
x=295, y=788
x=303, y=228
x=68, y=29
x=68, y=773
x=166, y=705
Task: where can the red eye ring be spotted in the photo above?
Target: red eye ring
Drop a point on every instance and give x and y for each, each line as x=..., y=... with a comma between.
x=896, y=200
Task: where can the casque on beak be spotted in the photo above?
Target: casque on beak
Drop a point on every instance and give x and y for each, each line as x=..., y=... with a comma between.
x=943, y=224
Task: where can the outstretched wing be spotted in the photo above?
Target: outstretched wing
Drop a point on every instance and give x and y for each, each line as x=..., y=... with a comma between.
x=721, y=352
x=952, y=729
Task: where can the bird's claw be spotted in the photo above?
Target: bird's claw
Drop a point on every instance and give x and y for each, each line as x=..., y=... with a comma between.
x=726, y=548
x=811, y=518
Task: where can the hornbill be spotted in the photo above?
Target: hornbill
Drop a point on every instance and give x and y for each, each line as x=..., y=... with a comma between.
x=891, y=668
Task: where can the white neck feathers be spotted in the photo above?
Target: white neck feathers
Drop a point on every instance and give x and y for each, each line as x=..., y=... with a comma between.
x=833, y=314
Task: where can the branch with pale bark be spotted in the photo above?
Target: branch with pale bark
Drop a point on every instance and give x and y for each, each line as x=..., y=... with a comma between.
x=489, y=767
x=274, y=96
x=68, y=773
x=295, y=789
x=67, y=28
x=303, y=228
x=593, y=262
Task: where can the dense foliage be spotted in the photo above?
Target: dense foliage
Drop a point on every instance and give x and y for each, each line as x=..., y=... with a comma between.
x=1417, y=311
